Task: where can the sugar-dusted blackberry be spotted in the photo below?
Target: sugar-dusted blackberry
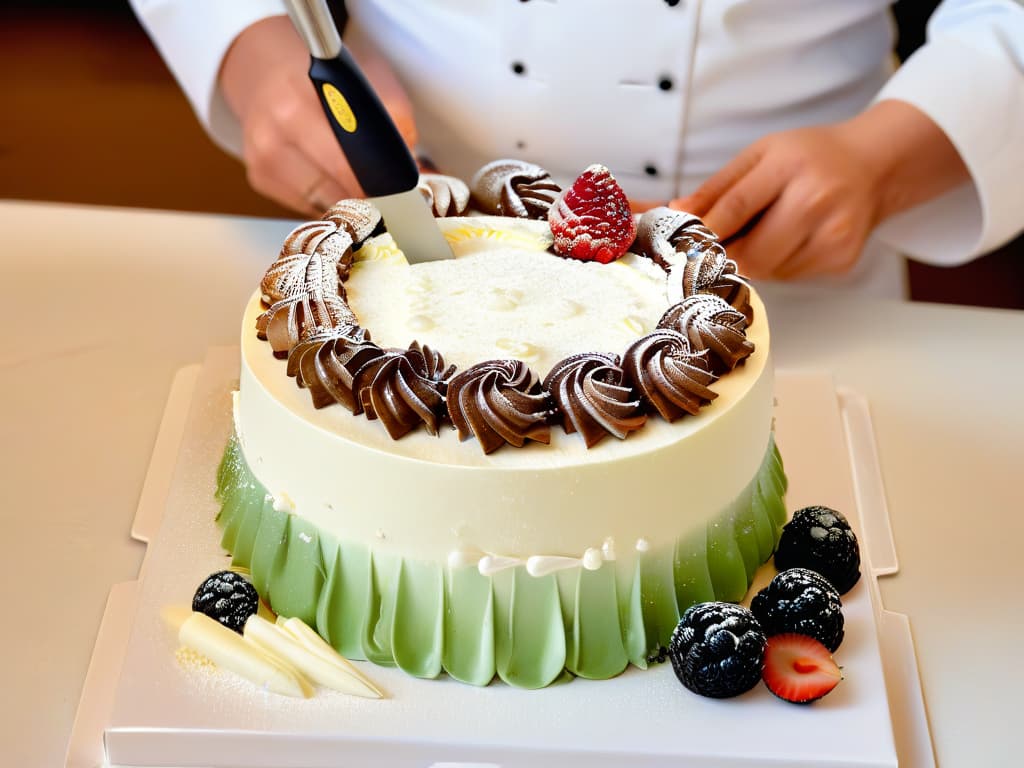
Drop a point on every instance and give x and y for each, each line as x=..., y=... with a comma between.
x=801, y=601
x=717, y=650
x=820, y=538
x=227, y=597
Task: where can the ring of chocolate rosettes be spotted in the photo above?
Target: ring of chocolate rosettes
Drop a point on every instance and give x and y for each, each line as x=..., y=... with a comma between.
x=701, y=336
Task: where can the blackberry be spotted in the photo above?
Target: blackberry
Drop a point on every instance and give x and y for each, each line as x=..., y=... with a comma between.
x=717, y=650
x=820, y=538
x=227, y=597
x=801, y=601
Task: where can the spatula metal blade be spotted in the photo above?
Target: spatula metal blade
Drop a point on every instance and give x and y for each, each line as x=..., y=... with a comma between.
x=413, y=227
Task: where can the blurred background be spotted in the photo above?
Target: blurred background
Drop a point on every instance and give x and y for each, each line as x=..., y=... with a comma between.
x=91, y=115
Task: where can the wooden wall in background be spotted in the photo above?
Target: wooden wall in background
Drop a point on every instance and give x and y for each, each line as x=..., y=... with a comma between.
x=90, y=114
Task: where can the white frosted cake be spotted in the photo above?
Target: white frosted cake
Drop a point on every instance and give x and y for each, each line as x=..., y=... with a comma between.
x=510, y=463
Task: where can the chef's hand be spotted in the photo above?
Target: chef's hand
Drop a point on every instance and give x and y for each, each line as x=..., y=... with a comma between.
x=289, y=150
x=801, y=203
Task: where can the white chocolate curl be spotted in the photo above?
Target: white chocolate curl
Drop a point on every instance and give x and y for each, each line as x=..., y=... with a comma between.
x=228, y=650
x=322, y=670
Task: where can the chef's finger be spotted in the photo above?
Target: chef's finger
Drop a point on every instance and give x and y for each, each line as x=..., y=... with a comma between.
x=747, y=198
x=832, y=249
x=318, y=142
x=711, y=191
x=777, y=237
x=283, y=173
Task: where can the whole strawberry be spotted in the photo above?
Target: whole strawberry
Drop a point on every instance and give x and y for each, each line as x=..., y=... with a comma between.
x=592, y=220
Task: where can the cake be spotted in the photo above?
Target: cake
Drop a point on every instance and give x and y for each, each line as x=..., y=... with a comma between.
x=512, y=464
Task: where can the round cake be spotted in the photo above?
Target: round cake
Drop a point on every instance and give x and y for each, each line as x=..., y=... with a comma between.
x=513, y=462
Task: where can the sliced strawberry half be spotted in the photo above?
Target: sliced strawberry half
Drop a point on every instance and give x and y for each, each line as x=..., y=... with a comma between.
x=798, y=668
x=592, y=220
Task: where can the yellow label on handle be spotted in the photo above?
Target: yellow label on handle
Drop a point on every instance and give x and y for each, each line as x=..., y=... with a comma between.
x=339, y=108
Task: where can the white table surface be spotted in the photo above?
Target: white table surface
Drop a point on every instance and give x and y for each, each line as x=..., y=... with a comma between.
x=103, y=305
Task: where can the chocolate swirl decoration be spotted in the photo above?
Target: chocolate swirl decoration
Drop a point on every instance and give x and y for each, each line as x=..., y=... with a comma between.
x=358, y=218
x=666, y=236
x=446, y=195
x=404, y=388
x=303, y=316
x=514, y=188
x=711, y=324
x=677, y=240
x=324, y=246
x=671, y=377
x=318, y=364
x=343, y=228
x=499, y=401
x=309, y=260
x=590, y=392
x=710, y=272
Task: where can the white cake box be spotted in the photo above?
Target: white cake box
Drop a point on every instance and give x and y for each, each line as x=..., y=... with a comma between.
x=141, y=706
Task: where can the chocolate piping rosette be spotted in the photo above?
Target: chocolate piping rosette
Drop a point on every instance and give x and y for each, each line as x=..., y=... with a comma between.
x=712, y=272
x=682, y=245
x=594, y=399
x=404, y=388
x=319, y=365
x=712, y=325
x=309, y=261
x=665, y=236
x=514, y=188
x=303, y=316
x=358, y=218
x=446, y=195
x=671, y=377
x=499, y=402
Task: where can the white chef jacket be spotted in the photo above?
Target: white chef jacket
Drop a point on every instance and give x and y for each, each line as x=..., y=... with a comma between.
x=665, y=92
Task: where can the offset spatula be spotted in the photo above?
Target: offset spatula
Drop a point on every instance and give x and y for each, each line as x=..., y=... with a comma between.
x=372, y=144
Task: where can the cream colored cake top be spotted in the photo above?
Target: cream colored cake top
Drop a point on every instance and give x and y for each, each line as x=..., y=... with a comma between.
x=504, y=296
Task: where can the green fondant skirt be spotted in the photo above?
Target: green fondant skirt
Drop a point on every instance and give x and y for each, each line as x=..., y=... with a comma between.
x=427, y=618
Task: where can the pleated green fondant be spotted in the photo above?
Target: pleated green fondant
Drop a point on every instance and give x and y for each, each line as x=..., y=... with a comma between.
x=595, y=648
x=530, y=631
x=380, y=608
x=658, y=598
x=344, y=611
x=417, y=628
x=529, y=636
x=298, y=573
x=690, y=567
x=468, y=653
x=268, y=548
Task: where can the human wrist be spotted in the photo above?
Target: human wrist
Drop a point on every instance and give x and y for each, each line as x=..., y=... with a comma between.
x=907, y=158
x=259, y=50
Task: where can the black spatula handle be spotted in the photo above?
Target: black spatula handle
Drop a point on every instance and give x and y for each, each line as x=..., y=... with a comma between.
x=380, y=159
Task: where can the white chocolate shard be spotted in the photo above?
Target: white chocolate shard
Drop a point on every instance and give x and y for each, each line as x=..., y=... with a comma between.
x=276, y=641
x=228, y=650
x=306, y=637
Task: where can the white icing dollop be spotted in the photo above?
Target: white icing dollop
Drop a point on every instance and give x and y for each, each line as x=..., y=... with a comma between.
x=282, y=502
x=593, y=559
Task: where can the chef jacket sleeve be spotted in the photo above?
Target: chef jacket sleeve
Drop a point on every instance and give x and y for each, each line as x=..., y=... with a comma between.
x=969, y=79
x=193, y=36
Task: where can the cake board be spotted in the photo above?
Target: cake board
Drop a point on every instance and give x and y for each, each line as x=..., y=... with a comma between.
x=140, y=707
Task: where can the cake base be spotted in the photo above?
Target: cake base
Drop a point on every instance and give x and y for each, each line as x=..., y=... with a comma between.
x=526, y=630
x=163, y=713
